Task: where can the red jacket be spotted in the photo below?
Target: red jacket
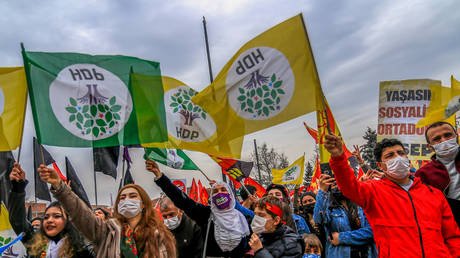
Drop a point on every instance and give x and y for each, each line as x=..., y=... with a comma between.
x=405, y=224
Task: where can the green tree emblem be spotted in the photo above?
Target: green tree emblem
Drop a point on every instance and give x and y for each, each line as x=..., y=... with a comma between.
x=92, y=114
x=9, y=251
x=182, y=104
x=261, y=96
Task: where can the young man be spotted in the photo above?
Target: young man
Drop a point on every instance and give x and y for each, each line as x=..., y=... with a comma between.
x=408, y=218
x=443, y=171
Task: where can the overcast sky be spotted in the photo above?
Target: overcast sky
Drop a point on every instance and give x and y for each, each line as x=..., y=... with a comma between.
x=356, y=44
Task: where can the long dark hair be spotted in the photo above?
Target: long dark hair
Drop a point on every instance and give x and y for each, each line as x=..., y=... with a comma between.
x=73, y=242
x=351, y=208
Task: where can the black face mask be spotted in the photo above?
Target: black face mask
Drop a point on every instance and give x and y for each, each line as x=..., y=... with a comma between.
x=308, y=208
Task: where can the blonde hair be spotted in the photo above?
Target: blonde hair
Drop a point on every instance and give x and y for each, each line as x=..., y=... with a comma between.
x=313, y=242
x=39, y=244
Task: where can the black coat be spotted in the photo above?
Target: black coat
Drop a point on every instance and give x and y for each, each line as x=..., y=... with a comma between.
x=283, y=243
x=189, y=238
x=200, y=214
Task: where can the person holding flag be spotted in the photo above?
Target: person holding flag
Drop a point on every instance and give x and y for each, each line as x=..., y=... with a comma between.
x=227, y=230
x=57, y=237
x=400, y=209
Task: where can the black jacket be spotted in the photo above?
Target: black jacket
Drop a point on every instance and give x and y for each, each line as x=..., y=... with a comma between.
x=189, y=238
x=19, y=222
x=200, y=214
x=283, y=243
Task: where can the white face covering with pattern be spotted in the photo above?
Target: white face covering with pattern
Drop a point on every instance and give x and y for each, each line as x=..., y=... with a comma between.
x=398, y=167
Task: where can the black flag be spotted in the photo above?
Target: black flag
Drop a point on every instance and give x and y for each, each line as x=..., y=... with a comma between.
x=128, y=179
x=29, y=213
x=75, y=182
x=106, y=160
x=6, y=164
x=40, y=155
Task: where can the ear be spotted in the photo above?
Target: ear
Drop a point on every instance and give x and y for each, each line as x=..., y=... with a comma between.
x=430, y=147
x=277, y=220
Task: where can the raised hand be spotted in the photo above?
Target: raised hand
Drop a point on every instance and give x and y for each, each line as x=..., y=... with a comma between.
x=152, y=166
x=325, y=181
x=334, y=145
x=49, y=175
x=17, y=174
x=357, y=154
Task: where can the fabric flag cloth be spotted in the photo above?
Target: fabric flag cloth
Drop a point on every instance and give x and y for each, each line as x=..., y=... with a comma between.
x=290, y=175
x=327, y=125
x=41, y=155
x=194, y=193
x=10, y=245
x=173, y=158
x=316, y=174
x=325, y=166
x=106, y=160
x=13, y=98
x=81, y=100
x=29, y=213
x=128, y=178
x=204, y=195
x=270, y=80
x=6, y=165
x=444, y=104
x=75, y=183
x=260, y=190
x=236, y=170
x=189, y=126
x=181, y=184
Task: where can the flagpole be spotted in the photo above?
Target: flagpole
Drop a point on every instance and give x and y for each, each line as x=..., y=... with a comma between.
x=211, y=78
x=201, y=171
x=123, y=166
x=25, y=107
x=257, y=161
x=95, y=187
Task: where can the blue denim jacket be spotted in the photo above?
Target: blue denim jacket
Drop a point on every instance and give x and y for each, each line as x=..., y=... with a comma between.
x=302, y=227
x=336, y=220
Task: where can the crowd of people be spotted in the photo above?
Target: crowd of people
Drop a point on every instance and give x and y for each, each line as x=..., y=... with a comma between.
x=388, y=212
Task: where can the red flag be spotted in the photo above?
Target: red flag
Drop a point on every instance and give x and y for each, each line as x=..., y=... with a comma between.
x=204, y=196
x=194, y=194
x=260, y=190
x=313, y=185
x=56, y=168
x=180, y=183
x=313, y=133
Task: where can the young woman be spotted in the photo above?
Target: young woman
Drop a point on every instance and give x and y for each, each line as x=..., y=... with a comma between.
x=271, y=237
x=349, y=233
x=55, y=236
x=135, y=230
x=228, y=229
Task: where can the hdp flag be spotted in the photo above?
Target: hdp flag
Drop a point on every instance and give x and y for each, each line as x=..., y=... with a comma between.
x=236, y=170
x=106, y=160
x=13, y=97
x=189, y=126
x=173, y=158
x=81, y=100
x=75, y=183
x=10, y=245
x=270, y=80
x=290, y=175
x=445, y=102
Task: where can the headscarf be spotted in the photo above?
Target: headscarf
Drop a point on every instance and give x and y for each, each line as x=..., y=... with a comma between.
x=230, y=225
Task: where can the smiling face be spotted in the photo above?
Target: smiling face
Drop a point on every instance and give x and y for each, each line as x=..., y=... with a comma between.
x=276, y=193
x=54, y=221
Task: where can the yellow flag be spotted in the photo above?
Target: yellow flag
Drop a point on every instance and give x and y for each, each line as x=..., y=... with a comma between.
x=290, y=175
x=326, y=125
x=13, y=95
x=270, y=80
x=190, y=127
x=445, y=102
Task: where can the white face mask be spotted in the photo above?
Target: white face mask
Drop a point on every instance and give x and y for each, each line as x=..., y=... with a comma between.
x=398, y=167
x=129, y=208
x=258, y=224
x=446, y=149
x=172, y=223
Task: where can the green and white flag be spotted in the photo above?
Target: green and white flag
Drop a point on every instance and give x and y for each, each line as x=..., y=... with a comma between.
x=173, y=158
x=81, y=100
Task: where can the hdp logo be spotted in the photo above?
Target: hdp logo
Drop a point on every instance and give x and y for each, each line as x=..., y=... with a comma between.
x=291, y=174
x=260, y=83
x=185, y=120
x=89, y=101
